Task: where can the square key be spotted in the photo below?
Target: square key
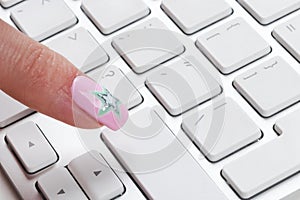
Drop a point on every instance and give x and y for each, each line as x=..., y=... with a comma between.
x=270, y=87
x=233, y=45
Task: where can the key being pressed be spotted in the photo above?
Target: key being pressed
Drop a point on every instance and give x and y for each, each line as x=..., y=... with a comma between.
x=197, y=14
x=157, y=161
x=270, y=87
x=11, y=110
x=216, y=132
x=233, y=45
x=287, y=34
x=269, y=164
x=59, y=184
x=144, y=49
x=118, y=84
x=80, y=48
x=267, y=11
x=8, y=3
x=183, y=85
x=111, y=15
x=40, y=19
x=31, y=147
x=95, y=176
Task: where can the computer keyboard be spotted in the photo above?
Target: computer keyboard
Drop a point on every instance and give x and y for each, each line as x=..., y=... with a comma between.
x=212, y=86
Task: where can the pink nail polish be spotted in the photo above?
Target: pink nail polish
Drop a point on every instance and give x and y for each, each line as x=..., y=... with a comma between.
x=98, y=102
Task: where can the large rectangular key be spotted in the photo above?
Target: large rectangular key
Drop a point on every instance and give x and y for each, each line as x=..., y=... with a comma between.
x=157, y=161
x=270, y=87
x=267, y=11
x=31, y=147
x=11, y=110
x=269, y=164
x=40, y=19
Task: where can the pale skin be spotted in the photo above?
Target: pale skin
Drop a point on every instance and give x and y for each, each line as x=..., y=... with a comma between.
x=39, y=78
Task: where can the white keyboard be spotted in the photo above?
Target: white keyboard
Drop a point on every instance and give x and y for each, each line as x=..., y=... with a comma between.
x=213, y=88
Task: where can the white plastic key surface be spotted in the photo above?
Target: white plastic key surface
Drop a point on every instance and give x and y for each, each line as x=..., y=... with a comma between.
x=111, y=15
x=269, y=164
x=267, y=11
x=293, y=196
x=59, y=184
x=31, y=147
x=287, y=34
x=157, y=161
x=95, y=176
x=144, y=49
x=193, y=15
x=40, y=19
x=11, y=110
x=80, y=48
x=233, y=45
x=216, y=132
x=182, y=85
x=270, y=87
x=8, y=3
x=118, y=84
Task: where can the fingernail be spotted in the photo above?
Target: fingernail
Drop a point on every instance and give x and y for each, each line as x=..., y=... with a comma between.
x=99, y=103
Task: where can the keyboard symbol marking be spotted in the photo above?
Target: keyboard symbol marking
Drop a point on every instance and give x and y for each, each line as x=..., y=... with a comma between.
x=30, y=144
x=73, y=37
x=61, y=192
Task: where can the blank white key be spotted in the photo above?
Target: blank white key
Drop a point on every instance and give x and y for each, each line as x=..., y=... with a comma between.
x=270, y=163
x=31, y=147
x=216, y=132
x=294, y=196
x=8, y=3
x=233, y=45
x=158, y=162
x=270, y=87
x=146, y=48
x=95, y=176
x=287, y=34
x=182, y=85
x=268, y=11
x=118, y=84
x=80, y=48
x=11, y=110
x=111, y=15
x=59, y=184
x=193, y=15
x=40, y=19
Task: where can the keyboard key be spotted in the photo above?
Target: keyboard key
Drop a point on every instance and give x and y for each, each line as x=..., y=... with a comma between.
x=80, y=48
x=111, y=15
x=31, y=147
x=193, y=15
x=216, y=132
x=40, y=19
x=118, y=84
x=269, y=164
x=8, y=3
x=59, y=184
x=267, y=11
x=287, y=34
x=157, y=161
x=270, y=87
x=183, y=85
x=223, y=45
x=147, y=48
x=11, y=110
x=95, y=176
x=294, y=196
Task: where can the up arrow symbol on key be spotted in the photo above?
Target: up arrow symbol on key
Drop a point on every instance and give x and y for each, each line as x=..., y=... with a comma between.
x=61, y=192
x=97, y=173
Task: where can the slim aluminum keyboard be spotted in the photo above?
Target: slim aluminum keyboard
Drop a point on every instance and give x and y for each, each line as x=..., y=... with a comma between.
x=212, y=88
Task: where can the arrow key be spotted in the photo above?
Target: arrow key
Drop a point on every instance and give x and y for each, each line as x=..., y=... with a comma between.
x=95, y=176
x=59, y=184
